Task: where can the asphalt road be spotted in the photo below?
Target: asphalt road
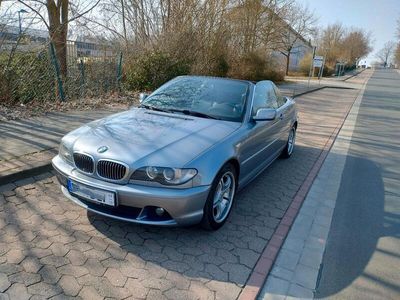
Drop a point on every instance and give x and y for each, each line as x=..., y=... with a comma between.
x=362, y=256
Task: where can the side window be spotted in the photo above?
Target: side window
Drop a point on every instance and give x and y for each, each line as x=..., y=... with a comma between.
x=280, y=99
x=264, y=96
x=272, y=99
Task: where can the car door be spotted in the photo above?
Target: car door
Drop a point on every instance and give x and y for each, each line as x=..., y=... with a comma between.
x=284, y=115
x=262, y=138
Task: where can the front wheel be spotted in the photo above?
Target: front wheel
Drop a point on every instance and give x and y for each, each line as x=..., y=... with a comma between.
x=220, y=199
x=288, y=150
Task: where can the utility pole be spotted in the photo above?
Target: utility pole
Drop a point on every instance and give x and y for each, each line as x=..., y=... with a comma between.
x=21, y=11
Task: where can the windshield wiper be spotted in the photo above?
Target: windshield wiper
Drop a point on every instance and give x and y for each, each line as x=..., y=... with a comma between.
x=195, y=113
x=184, y=111
x=154, y=108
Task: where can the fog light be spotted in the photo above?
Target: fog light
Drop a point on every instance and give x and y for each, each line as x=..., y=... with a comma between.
x=160, y=211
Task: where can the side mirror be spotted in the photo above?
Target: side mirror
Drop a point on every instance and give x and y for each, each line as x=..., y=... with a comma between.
x=142, y=97
x=265, y=114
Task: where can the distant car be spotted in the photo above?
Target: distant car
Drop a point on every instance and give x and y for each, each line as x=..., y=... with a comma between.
x=181, y=156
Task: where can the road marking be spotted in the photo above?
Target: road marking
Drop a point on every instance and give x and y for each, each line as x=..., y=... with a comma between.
x=295, y=272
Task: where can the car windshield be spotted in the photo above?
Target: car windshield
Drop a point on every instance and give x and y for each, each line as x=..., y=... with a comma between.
x=206, y=97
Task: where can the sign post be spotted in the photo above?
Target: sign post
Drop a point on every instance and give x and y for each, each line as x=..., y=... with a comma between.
x=321, y=70
x=318, y=61
x=311, y=66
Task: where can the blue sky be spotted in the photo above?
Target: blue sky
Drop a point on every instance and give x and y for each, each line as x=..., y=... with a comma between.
x=377, y=16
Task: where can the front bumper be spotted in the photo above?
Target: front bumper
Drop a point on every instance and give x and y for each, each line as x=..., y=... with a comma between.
x=136, y=203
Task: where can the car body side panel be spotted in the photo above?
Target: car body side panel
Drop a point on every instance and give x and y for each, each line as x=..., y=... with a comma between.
x=259, y=145
x=287, y=116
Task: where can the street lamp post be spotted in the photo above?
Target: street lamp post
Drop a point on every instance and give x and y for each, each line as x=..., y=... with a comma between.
x=21, y=11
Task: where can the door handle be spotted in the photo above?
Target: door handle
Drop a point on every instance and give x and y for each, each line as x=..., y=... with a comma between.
x=281, y=116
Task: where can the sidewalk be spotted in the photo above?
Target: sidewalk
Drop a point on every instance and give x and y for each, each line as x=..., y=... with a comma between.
x=295, y=86
x=295, y=272
x=29, y=145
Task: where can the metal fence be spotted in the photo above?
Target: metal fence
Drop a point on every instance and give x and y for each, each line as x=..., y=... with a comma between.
x=30, y=70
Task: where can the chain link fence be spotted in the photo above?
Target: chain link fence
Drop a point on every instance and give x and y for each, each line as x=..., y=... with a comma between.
x=30, y=70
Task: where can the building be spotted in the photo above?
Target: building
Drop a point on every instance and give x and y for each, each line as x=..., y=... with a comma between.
x=32, y=39
x=300, y=47
x=29, y=38
x=88, y=46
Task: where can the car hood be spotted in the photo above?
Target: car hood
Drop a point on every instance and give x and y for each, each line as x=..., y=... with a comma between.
x=141, y=137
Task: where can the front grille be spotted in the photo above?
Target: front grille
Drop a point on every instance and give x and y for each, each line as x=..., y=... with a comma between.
x=111, y=170
x=84, y=162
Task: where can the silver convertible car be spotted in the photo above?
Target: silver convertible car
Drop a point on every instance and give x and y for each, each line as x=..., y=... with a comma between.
x=182, y=155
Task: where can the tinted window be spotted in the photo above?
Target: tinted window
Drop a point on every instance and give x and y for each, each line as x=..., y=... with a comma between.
x=264, y=96
x=221, y=98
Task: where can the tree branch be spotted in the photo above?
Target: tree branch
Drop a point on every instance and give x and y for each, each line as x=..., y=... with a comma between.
x=84, y=13
x=35, y=11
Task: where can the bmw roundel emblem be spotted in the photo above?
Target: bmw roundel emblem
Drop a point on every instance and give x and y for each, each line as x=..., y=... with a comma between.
x=102, y=149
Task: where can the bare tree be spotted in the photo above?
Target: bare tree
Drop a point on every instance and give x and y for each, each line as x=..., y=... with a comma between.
x=57, y=21
x=300, y=23
x=330, y=43
x=397, y=55
x=398, y=28
x=385, y=54
x=355, y=45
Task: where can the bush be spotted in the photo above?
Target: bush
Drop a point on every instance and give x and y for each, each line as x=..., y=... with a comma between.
x=152, y=69
x=304, y=64
x=221, y=66
x=256, y=66
x=29, y=76
x=304, y=67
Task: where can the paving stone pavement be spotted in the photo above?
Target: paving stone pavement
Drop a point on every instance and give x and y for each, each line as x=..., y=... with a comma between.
x=51, y=248
x=27, y=142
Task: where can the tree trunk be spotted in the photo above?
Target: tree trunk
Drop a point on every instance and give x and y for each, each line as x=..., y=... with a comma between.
x=287, y=63
x=58, y=23
x=60, y=45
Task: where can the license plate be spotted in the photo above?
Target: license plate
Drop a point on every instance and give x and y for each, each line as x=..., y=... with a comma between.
x=91, y=193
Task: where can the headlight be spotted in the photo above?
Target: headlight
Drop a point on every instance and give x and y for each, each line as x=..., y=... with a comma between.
x=166, y=176
x=65, y=153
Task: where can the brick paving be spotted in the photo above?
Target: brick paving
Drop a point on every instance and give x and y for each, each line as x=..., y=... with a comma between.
x=26, y=143
x=51, y=248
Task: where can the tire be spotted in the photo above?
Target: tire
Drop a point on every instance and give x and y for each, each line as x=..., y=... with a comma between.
x=289, y=148
x=216, y=211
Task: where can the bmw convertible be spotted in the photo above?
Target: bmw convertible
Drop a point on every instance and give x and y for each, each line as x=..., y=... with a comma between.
x=180, y=157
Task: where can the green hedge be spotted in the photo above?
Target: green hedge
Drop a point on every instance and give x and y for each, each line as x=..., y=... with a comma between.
x=29, y=76
x=152, y=69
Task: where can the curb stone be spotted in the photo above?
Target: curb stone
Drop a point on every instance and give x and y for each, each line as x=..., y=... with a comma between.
x=38, y=169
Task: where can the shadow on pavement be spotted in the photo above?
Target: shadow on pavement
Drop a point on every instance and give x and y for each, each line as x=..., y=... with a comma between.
x=359, y=219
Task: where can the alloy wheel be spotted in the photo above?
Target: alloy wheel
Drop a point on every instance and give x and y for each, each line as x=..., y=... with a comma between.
x=223, y=197
x=291, y=141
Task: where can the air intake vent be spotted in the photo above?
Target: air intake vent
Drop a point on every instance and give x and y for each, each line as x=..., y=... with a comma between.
x=84, y=162
x=111, y=170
